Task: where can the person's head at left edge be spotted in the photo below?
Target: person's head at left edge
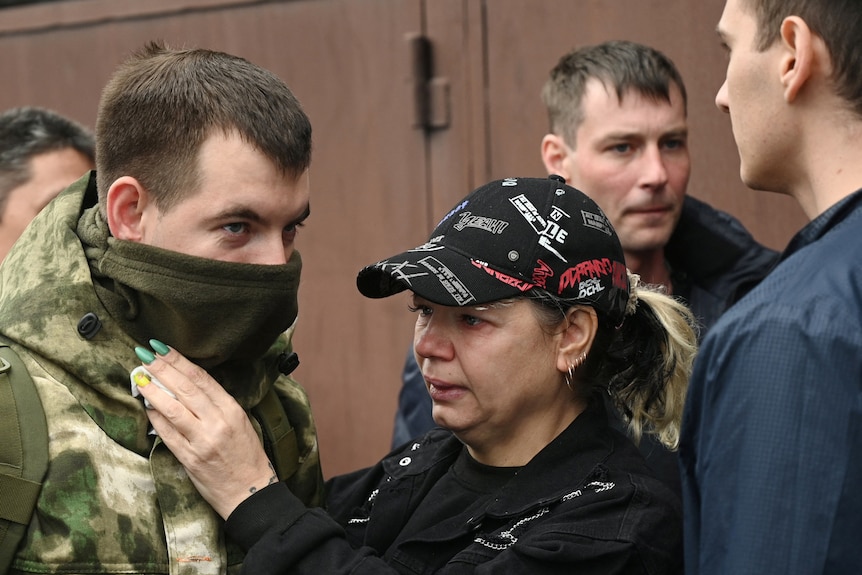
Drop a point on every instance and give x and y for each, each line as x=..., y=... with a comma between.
x=41, y=152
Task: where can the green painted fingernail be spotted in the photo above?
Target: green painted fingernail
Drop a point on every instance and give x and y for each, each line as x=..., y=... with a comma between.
x=145, y=355
x=160, y=348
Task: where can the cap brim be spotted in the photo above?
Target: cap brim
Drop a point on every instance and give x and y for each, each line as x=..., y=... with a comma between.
x=440, y=275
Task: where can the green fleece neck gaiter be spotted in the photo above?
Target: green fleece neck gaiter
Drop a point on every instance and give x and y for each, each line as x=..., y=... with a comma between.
x=223, y=316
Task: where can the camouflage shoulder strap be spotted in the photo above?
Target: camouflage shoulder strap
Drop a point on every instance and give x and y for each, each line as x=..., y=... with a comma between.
x=279, y=437
x=23, y=452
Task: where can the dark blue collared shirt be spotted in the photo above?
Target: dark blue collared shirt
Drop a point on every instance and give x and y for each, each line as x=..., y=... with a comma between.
x=771, y=448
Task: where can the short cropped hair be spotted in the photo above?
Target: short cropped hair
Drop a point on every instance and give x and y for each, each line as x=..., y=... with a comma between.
x=838, y=22
x=27, y=132
x=621, y=65
x=162, y=104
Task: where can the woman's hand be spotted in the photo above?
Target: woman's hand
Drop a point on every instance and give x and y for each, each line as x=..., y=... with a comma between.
x=207, y=431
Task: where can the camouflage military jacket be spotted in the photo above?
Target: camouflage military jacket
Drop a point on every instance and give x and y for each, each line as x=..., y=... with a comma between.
x=114, y=500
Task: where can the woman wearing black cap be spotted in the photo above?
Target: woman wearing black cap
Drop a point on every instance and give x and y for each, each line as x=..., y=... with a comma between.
x=526, y=315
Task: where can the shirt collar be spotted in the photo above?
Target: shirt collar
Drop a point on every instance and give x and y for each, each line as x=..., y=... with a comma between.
x=822, y=224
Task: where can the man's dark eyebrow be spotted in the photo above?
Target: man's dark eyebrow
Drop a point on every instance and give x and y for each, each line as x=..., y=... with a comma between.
x=627, y=135
x=242, y=213
x=681, y=133
x=238, y=213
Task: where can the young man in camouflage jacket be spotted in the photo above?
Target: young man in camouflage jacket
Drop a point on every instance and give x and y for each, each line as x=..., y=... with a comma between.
x=184, y=234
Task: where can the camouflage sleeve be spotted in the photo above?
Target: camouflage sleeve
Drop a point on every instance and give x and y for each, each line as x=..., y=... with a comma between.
x=307, y=482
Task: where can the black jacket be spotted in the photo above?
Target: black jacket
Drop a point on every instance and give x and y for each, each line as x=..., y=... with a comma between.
x=586, y=504
x=714, y=262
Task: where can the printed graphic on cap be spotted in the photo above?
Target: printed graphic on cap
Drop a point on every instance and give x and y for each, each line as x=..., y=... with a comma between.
x=448, y=280
x=548, y=231
x=541, y=273
x=468, y=220
x=592, y=269
x=430, y=246
x=460, y=206
x=520, y=284
x=596, y=221
x=401, y=271
x=589, y=288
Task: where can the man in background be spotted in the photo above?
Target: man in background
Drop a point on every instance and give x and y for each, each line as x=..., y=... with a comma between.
x=41, y=153
x=619, y=132
x=772, y=430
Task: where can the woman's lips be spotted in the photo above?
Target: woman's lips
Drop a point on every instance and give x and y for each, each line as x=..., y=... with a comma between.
x=442, y=391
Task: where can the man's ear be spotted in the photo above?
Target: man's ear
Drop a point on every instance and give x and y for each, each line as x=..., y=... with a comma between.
x=580, y=329
x=554, y=153
x=801, y=51
x=126, y=201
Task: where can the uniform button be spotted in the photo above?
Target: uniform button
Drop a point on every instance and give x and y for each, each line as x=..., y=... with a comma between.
x=287, y=363
x=89, y=326
x=405, y=462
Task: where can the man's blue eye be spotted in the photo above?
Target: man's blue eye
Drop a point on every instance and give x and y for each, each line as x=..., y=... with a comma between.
x=235, y=228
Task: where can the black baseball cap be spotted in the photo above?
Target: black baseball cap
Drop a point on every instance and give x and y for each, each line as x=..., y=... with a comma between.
x=506, y=238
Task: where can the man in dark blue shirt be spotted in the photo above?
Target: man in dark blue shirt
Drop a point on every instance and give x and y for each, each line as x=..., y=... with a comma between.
x=771, y=444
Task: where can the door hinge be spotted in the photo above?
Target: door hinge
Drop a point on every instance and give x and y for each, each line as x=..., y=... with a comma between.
x=430, y=93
